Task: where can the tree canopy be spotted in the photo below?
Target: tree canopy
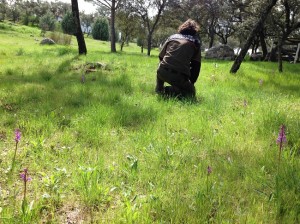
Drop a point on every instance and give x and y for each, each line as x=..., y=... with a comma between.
x=228, y=22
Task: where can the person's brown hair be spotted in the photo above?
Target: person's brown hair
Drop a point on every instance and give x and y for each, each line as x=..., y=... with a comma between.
x=189, y=27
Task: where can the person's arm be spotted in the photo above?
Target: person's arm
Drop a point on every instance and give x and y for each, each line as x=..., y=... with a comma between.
x=163, y=51
x=195, y=70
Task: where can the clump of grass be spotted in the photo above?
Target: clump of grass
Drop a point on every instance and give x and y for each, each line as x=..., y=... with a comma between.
x=46, y=75
x=60, y=38
x=9, y=72
x=20, y=52
x=64, y=51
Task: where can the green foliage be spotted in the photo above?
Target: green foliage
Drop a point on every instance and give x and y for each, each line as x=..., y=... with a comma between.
x=68, y=24
x=100, y=29
x=141, y=42
x=47, y=22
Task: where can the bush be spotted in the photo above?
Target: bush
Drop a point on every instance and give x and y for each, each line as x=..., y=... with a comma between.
x=60, y=38
x=100, y=30
x=141, y=42
x=47, y=22
x=68, y=24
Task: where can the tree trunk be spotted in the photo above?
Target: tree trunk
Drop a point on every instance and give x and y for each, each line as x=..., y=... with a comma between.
x=263, y=44
x=211, y=39
x=272, y=54
x=280, y=44
x=279, y=56
x=211, y=33
x=79, y=34
x=259, y=25
x=149, y=43
x=112, y=25
x=122, y=44
x=297, y=54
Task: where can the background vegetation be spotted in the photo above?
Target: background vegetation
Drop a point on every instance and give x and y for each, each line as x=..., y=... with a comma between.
x=102, y=147
x=152, y=21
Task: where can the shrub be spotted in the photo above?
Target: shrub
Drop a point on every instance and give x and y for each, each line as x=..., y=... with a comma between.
x=60, y=38
x=47, y=22
x=100, y=30
x=68, y=24
x=141, y=41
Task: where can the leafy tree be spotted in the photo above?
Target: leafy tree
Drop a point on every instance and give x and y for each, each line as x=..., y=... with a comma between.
x=40, y=10
x=285, y=22
x=103, y=11
x=111, y=5
x=14, y=11
x=141, y=36
x=217, y=18
x=47, y=22
x=100, y=29
x=127, y=23
x=68, y=24
x=59, y=8
x=3, y=9
x=86, y=22
x=28, y=11
x=144, y=8
x=258, y=26
x=161, y=35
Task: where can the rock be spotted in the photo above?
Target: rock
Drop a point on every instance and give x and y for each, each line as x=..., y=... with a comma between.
x=222, y=52
x=95, y=65
x=256, y=56
x=47, y=41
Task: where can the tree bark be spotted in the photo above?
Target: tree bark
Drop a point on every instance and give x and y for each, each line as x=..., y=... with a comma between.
x=122, y=45
x=259, y=25
x=149, y=41
x=280, y=56
x=79, y=34
x=112, y=25
x=211, y=36
x=263, y=44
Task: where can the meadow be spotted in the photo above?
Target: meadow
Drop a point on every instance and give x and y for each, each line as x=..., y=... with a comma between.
x=102, y=147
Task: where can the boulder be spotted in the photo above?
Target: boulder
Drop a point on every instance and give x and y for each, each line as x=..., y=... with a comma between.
x=47, y=41
x=258, y=56
x=222, y=52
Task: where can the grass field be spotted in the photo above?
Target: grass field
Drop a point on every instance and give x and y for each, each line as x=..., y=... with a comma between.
x=108, y=150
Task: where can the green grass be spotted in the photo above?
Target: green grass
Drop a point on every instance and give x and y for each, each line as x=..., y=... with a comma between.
x=111, y=151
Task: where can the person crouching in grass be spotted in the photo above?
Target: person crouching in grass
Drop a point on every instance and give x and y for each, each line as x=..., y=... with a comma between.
x=180, y=62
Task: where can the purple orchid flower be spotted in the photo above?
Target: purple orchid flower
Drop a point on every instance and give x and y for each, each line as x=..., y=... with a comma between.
x=281, y=136
x=17, y=135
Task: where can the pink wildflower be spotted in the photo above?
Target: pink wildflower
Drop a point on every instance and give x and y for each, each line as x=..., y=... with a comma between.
x=209, y=170
x=281, y=136
x=25, y=176
x=17, y=135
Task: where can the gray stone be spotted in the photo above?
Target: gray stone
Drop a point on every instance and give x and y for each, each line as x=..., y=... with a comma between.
x=256, y=56
x=47, y=41
x=222, y=52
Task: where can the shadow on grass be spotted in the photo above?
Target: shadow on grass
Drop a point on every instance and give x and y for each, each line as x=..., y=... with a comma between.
x=184, y=100
x=289, y=87
x=121, y=53
x=46, y=92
